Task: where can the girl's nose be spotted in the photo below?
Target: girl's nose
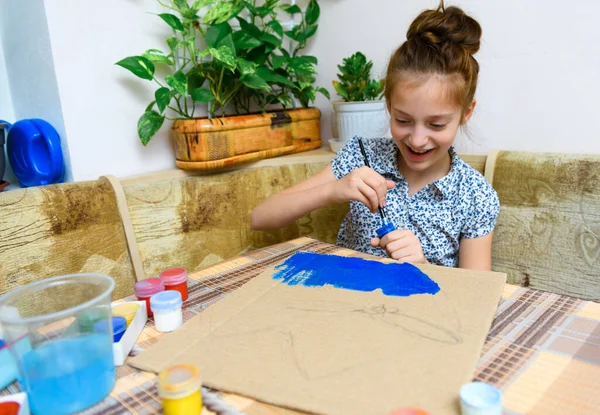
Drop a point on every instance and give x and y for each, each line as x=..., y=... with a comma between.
x=418, y=138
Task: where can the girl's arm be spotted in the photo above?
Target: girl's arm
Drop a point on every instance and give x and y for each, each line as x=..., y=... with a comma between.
x=476, y=253
x=283, y=208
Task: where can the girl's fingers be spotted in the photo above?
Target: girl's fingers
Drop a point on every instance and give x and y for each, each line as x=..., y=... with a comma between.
x=375, y=241
x=370, y=195
x=379, y=186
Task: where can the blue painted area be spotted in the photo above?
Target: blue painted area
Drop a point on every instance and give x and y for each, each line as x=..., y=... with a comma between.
x=316, y=270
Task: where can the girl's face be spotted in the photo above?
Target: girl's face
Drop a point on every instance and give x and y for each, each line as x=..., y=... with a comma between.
x=424, y=122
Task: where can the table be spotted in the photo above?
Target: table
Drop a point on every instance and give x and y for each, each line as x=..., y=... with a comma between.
x=543, y=350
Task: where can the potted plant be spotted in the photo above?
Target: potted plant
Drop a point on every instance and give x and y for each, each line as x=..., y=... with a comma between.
x=362, y=111
x=237, y=61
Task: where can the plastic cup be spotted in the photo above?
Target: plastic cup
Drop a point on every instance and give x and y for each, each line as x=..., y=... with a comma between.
x=65, y=369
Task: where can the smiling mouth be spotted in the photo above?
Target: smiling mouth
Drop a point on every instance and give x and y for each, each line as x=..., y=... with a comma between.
x=418, y=153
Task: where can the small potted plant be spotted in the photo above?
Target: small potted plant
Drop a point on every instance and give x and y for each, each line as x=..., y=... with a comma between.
x=362, y=111
x=241, y=63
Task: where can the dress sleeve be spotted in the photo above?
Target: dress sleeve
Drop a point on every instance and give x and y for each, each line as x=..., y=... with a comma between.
x=347, y=159
x=486, y=207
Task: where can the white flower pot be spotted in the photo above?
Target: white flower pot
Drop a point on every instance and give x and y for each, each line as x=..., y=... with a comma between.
x=365, y=119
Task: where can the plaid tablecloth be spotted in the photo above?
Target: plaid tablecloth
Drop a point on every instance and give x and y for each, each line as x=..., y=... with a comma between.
x=543, y=350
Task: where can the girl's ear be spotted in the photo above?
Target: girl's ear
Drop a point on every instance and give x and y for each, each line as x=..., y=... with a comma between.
x=469, y=112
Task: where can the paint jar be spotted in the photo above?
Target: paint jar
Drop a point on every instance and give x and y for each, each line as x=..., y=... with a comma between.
x=179, y=390
x=126, y=310
x=409, y=411
x=167, y=310
x=64, y=369
x=118, y=323
x=176, y=279
x=9, y=408
x=145, y=289
x=480, y=398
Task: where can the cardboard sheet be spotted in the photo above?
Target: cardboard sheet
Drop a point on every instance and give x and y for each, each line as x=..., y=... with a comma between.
x=339, y=351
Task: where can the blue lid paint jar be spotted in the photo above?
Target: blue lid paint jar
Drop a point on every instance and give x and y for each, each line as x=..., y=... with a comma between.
x=119, y=325
x=386, y=228
x=166, y=306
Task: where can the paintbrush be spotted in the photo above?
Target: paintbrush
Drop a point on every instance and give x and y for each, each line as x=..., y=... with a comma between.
x=387, y=226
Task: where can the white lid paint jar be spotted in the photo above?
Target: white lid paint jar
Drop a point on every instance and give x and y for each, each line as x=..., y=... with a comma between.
x=166, y=306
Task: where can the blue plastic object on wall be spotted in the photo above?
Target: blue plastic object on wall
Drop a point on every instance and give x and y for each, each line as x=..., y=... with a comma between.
x=34, y=153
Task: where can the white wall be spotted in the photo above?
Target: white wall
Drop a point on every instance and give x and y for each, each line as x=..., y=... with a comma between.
x=539, y=80
x=540, y=66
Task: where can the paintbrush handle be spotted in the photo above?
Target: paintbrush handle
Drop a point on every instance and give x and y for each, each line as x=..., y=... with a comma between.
x=364, y=153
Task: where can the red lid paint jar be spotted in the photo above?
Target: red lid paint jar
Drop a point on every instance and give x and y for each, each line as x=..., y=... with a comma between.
x=176, y=279
x=145, y=289
x=9, y=408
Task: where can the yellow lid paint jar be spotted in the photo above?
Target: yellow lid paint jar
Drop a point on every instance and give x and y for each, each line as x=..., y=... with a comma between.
x=126, y=310
x=179, y=390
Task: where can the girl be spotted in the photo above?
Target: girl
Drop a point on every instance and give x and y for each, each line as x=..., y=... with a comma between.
x=445, y=211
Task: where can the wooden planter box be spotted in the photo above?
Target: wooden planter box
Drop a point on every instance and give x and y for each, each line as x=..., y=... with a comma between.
x=211, y=144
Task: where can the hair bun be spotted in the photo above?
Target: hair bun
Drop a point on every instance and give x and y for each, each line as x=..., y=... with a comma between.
x=447, y=25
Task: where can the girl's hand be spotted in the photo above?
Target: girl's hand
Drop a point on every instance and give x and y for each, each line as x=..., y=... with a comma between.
x=365, y=185
x=402, y=245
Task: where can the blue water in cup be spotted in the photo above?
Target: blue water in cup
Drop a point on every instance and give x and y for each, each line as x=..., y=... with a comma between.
x=70, y=374
x=67, y=368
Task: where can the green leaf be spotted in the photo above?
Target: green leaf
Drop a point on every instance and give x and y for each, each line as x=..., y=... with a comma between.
x=312, y=12
x=148, y=124
x=285, y=100
x=216, y=33
x=225, y=56
x=254, y=81
x=155, y=55
x=310, y=59
x=280, y=61
x=219, y=13
x=139, y=66
x=249, y=28
x=263, y=11
x=305, y=80
x=178, y=82
x=259, y=55
x=198, y=4
x=291, y=9
x=150, y=106
x=227, y=41
x=269, y=38
x=341, y=91
x=302, y=66
x=195, y=79
x=270, y=76
x=276, y=26
x=173, y=43
x=294, y=34
x=202, y=95
x=324, y=92
x=172, y=21
x=163, y=98
x=310, y=30
x=244, y=40
x=245, y=67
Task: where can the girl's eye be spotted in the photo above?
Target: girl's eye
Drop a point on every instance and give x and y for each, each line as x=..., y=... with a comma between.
x=438, y=125
x=401, y=121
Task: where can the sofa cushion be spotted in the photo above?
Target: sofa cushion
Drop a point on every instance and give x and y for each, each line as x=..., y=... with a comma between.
x=548, y=231
x=61, y=229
